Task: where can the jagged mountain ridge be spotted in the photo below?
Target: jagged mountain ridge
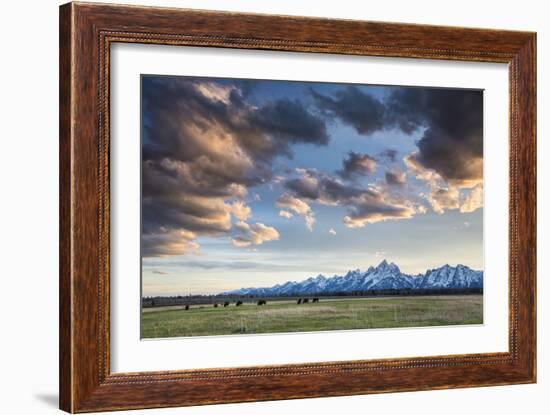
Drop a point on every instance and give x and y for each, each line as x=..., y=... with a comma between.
x=385, y=276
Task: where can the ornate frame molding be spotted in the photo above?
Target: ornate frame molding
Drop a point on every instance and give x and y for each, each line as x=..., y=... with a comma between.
x=87, y=31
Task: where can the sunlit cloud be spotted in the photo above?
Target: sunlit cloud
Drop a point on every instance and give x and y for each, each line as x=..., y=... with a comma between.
x=285, y=214
x=473, y=201
x=255, y=234
x=229, y=165
x=240, y=210
x=444, y=198
x=358, y=164
x=445, y=195
x=204, y=146
x=364, y=205
x=395, y=177
x=298, y=206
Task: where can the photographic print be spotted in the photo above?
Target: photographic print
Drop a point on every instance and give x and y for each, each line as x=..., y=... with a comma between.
x=273, y=206
x=247, y=198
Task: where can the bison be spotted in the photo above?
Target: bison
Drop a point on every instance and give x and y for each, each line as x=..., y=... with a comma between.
x=305, y=300
x=187, y=306
x=262, y=302
x=226, y=304
x=315, y=300
x=239, y=303
x=299, y=301
x=215, y=305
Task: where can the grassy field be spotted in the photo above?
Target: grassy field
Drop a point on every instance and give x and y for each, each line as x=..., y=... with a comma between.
x=328, y=314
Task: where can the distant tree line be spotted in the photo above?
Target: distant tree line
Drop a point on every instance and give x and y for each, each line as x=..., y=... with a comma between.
x=186, y=300
x=404, y=292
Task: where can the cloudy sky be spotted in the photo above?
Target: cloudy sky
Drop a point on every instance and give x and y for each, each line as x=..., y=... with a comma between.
x=255, y=182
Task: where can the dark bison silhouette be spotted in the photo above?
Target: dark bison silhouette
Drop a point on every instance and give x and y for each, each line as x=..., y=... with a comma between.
x=299, y=301
x=187, y=306
x=226, y=304
x=215, y=304
x=305, y=300
x=262, y=302
x=315, y=300
x=239, y=303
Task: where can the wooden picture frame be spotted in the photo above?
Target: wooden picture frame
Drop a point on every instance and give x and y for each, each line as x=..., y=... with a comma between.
x=86, y=33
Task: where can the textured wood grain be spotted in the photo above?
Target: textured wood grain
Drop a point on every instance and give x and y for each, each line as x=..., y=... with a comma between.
x=65, y=276
x=86, y=33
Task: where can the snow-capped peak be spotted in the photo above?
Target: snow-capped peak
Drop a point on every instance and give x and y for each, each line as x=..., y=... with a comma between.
x=385, y=276
x=387, y=267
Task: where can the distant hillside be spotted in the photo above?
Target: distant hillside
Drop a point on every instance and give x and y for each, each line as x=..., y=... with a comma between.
x=386, y=276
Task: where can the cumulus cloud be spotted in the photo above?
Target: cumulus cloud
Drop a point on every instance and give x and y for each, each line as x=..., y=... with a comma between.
x=240, y=210
x=309, y=221
x=298, y=206
x=445, y=195
x=364, y=205
x=179, y=211
x=389, y=154
x=373, y=208
x=306, y=185
x=290, y=122
x=179, y=113
x=286, y=214
x=204, y=145
x=418, y=170
x=313, y=185
x=358, y=164
x=444, y=198
x=395, y=177
x=245, y=234
x=287, y=201
x=450, y=122
x=168, y=242
x=362, y=111
x=332, y=231
x=473, y=200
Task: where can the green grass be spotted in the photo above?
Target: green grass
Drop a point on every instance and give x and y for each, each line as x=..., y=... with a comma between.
x=328, y=314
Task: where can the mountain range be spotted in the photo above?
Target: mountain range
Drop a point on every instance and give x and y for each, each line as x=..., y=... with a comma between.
x=385, y=276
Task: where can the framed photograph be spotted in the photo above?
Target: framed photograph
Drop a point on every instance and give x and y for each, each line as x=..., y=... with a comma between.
x=260, y=207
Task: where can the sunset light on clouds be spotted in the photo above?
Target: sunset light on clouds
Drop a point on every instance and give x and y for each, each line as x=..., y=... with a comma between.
x=252, y=182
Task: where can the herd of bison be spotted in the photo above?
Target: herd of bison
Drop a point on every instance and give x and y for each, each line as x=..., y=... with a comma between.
x=260, y=302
